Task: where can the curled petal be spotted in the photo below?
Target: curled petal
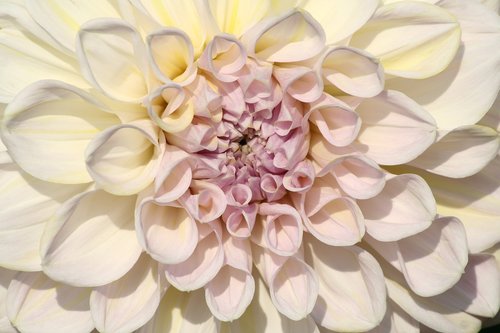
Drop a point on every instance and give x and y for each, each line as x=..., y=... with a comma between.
x=405, y=207
x=272, y=186
x=124, y=159
x=289, y=117
x=300, y=178
x=167, y=232
x=171, y=56
x=239, y=195
x=292, y=37
x=204, y=201
x=302, y=83
x=198, y=136
x=174, y=175
x=240, y=221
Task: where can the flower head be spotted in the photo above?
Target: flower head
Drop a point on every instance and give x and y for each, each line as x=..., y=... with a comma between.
x=223, y=165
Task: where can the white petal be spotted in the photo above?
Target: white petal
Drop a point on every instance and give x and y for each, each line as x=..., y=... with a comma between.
x=412, y=39
x=130, y=302
x=405, y=207
x=460, y=153
x=395, y=129
x=294, y=36
x=113, y=57
x=351, y=287
x=182, y=313
x=5, y=278
x=39, y=305
x=396, y=321
x=174, y=175
x=340, y=19
x=27, y=204
x=431, y=261
x=465, y=91
x=62, y=19
x=91, y=241
x=47, y=128
x=124, y=159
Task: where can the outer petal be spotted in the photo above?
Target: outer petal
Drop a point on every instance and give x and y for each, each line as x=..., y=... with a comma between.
x=460, y=153
x=351, y=287
x=91, y=241
x=47, y=127
x=394, y=128
x=431, y=261
x=39, y=305
x=412, y=39
x=396, y=321
x=405, y=207
x=470, y=83
x=128, y=303
x=113, y=58
x=5, y=278
x=182, y=313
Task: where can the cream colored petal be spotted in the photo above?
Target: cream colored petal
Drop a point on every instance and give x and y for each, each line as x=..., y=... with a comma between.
x=5, y=278
x=130, y=302
x=62, y=19
x=352, y=294
x=182, y=313
x=47, y=128
x=340, y=19
x=464, y=92
x=124, y=159
x=412, y=39
x=37, y=304
x=293, y=36
x=460, y=153
x=113, y=58
x=394, y=128
x=405, y=207
x=396, y=321
x=91, y=241
x=27, y=204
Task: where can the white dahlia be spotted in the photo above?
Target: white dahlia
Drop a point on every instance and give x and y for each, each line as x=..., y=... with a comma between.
x=249, y=166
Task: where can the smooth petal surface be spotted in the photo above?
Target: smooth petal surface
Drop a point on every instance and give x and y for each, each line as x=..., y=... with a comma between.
x=113, y=58
x=47, y=128
x=27, y=204
x=460, y=153
x=351, y=287
x=433, y=260
x=395, y=129
x=39, y=305
x=130, y=302
x=412, y=39
x=174, y=175
x=396, y=321
x=6, y=277
x=91, y=241
x=405, y=207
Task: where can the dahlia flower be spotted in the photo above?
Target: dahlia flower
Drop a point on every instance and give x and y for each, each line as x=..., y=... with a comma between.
x=249, y=166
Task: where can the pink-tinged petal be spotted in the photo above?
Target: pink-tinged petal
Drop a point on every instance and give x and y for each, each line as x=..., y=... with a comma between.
x=433, y=260
x=478, y=290
x=353, y=71
x=405, y=207
x=293, y=284
x=167, y=232
x=239, y=195
x=204, y=201
x=37, y=304
x=412, y=39
x=169, y=65
x=272, y=186
x=200, y=135
x=291, y=149
x=395, y=129
x=208, y=102
x=396, y=321
x=427, y=310
x=91, y=240
x=124, y=159
x=292, y=37
x=205, y=262
x=301, y=83
x=182, y=313
x=282, y=228
x=357, y=175
x=461, y=152
x=223, y=57
x=113, y=58
x=240, y=220
x=130, y=302
x=300, y=178
x=27, y=204
x=289, y=116
x=169, y=108
x=324, y=190
x=47, y=128
x=322, y=152
x=352, y=295
x=470, y=82
x=174, y=175
x=336, y=121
